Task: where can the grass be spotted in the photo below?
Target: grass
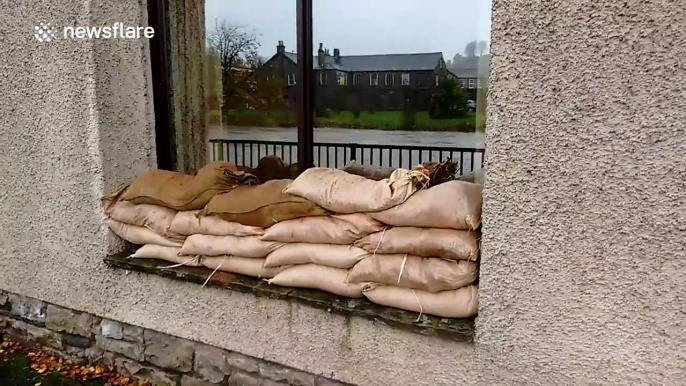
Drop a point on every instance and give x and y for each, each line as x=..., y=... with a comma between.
x=15, y=371
x=380, y=120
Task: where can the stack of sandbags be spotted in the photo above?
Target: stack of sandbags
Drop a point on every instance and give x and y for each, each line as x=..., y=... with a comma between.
x=425, y=260
x=319, y=251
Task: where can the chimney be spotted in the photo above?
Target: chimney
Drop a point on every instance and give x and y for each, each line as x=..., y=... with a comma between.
x=280, y=49
x=320, y=55
x=337, y=55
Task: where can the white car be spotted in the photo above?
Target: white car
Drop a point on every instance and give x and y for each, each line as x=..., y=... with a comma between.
x=471, y=105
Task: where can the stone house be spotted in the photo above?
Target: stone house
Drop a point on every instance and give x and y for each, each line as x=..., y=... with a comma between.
x=583, y=249
x=368, y=82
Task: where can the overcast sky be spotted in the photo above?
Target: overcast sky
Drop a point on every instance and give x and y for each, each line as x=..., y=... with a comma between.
x=362, y=27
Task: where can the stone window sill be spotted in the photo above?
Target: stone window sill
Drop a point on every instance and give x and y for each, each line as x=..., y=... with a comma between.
x=461, y=330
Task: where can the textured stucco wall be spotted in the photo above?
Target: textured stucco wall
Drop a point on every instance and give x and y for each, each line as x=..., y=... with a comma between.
x=583, y=262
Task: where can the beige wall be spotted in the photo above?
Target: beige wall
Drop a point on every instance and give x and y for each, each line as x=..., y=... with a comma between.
x=583, y=265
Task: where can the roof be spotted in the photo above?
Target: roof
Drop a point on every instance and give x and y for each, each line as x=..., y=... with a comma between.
x=470, y=66
x=387, y=62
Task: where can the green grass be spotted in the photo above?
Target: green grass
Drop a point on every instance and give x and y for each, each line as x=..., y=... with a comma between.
x=15, y=371
x=380, y=120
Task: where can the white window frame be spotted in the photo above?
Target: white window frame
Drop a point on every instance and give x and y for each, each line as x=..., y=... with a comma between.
x=374, y=79
x=405, y=81
x=291, y=79
x=357, y=79
x=386, y=78
x=463, y=83
x=322, y=79
x=341, y=75
x=471, y=83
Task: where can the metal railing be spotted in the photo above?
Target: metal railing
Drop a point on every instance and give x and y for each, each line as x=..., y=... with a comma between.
x=337, y=155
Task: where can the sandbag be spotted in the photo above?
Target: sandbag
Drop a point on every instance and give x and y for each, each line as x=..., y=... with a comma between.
x=241, y=265
x=335, y=229
x=171, y=254
x=153, y=217
x=415, y=272
x=447, y=244
x=268, y=168
x=181, y=191
x=343, y=192
x=318, y=277
x=188, y=223
x=459, y=303
x=453, y=204
x=139, y=235
x=208, y=245
x=331, y=255
x=477, y=177
x=261, y=206
x=368, y=171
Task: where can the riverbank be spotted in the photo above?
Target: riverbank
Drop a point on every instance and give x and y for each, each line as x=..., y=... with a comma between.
x=380, y=120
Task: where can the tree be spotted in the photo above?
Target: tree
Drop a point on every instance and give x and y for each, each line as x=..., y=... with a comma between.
x=449, y=100
x=234, y=47
x=483, y=48
x=470, y=49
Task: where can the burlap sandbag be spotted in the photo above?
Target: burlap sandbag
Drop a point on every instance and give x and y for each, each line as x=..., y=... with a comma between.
x=139, y=235
x=171, y=254
x=261, y=206
x=335, y=229
x=156, y=218
x=459, y=303
x=241, y=265
x=453, y=204
x=188, y=223
x=368, y=171
x=447, y=244
x=331, y=255
x=209, y=245
x=318, y=277
x=342, y=192
x=181, y=191
x=415, y=272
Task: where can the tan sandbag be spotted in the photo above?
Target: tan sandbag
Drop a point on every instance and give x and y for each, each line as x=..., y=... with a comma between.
x=459, y=303
x=318, y=277
x=368, y=171
x=171, y=254
x=331, y=255
x=343, y=192
x=241, y=265
x=187, y=223
x=139, y=235
x=447, y=244
x=478, y=177
x=208, y=245
x=335, y=229
x=453, y=204
x=261, y=205
x=181, y=191
x=156, y=218
x=409, y=271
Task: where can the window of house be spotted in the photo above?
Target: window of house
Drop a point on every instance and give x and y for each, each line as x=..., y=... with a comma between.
x=357, y=78
x=389, y=79
x=406, y=79
x=438, y=80
x=373, y=79
x=322, y=79
x=463, y=83
x=471, y=83
x=291, y=79
x=341, y=78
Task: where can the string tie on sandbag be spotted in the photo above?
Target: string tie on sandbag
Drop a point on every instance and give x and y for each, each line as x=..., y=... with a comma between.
x=213, y=272
x=402, y=267
x=421, y=309
x=380, y=240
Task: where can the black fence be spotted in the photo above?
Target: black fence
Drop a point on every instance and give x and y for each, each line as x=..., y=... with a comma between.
x=337, y=155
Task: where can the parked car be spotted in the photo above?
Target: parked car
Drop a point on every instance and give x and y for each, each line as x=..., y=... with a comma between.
x=471, y=105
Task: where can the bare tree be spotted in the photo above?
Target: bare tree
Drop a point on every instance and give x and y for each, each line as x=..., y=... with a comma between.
x=234, y=46
x=470, y=49
x=483, y=47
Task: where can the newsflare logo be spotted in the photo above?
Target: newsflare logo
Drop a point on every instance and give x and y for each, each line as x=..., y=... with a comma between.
x=45, y=32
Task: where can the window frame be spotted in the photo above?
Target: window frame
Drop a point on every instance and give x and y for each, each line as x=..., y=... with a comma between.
x=291, y=80
x=323, y=78
x=405, y=79
x=392, y=78
x=374, y=79
x=471, y=83
x=357, y=78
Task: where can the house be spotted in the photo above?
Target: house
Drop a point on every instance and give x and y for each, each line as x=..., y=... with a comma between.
x=367, y=82
x=472, y=72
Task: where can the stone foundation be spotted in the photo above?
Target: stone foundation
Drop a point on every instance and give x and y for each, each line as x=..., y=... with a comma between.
x=138, y=352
